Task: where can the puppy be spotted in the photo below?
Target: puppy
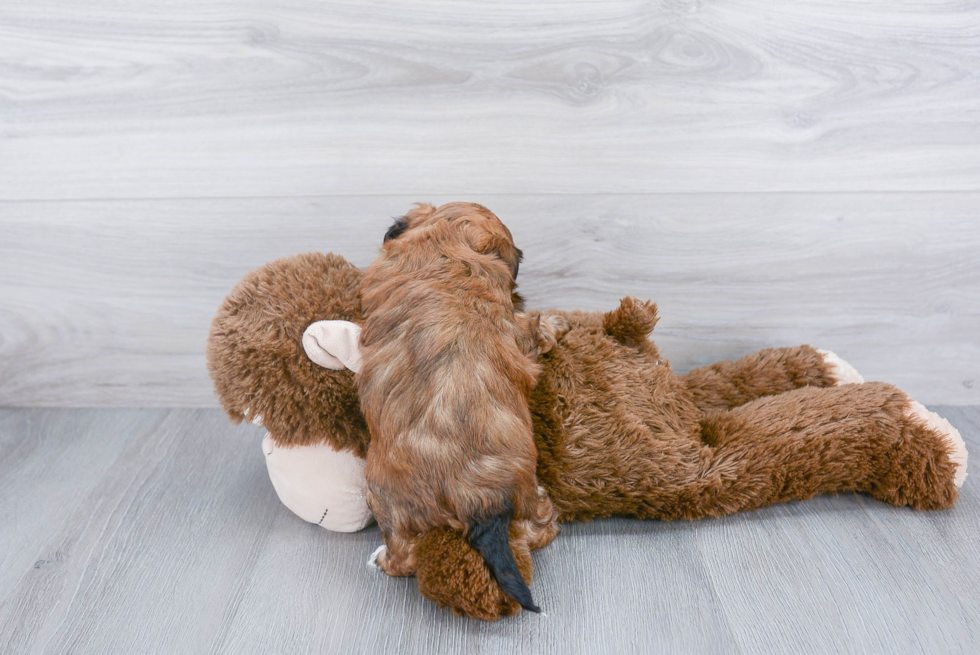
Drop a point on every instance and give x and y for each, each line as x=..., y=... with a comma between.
x=445, y=373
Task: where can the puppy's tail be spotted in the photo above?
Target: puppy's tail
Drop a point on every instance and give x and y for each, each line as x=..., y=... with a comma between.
x=489, y=537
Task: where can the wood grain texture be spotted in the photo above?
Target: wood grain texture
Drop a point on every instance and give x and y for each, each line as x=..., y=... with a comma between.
x=49, y=463
x=177, y=543
x=222, y=98
x=108, y=303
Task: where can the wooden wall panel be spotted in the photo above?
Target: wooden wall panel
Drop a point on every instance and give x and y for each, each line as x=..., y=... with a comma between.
x=109, y=302
x=769, y=173
x=229, y=98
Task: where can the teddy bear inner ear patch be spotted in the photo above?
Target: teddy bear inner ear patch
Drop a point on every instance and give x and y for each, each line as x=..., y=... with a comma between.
x=333, y=345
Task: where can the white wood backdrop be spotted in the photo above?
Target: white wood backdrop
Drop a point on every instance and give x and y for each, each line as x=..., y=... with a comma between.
x=770, y=173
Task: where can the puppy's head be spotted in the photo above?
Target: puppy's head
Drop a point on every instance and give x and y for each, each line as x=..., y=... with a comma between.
x=474, y=225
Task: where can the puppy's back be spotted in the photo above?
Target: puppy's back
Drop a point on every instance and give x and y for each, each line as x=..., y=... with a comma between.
x=444, y=386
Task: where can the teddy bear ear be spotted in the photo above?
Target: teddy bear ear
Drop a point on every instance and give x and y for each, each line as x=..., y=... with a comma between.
x=333, y=345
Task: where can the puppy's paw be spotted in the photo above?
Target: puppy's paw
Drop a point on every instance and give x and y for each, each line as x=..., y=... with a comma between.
x=841, y=371
x=379, y=552
x=556, y=324
x=551, y=328
x=541, y=332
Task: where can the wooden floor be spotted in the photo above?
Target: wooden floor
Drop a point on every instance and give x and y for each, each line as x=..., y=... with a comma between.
x=139, y=531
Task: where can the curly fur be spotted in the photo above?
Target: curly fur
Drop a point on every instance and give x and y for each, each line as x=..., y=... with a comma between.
x=618, y=433
x=444, y=382
x=255, y=352
x=615, y=430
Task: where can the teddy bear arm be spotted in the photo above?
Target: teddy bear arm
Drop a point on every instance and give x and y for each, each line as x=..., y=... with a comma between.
x=728, y=384
x=632, y=322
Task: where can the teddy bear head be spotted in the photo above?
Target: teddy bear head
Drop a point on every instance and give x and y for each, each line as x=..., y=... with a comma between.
x=282, y=354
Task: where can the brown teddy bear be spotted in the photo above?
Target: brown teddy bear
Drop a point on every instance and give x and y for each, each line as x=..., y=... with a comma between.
x=617, y=432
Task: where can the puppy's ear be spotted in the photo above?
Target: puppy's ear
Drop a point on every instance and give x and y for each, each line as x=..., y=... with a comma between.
x=491, y=243
x=333, y=345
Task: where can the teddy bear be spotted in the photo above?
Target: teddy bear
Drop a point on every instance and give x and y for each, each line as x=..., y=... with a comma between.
x=617, y=431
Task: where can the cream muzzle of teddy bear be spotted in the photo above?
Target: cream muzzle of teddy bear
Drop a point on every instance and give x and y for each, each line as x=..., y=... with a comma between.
x=318, y=483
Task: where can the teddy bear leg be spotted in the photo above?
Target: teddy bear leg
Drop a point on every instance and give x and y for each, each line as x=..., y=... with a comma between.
x=912, y=472
x=772, y=371
x=870, y=437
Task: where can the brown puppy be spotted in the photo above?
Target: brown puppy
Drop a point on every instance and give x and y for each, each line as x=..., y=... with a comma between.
x=444, y=382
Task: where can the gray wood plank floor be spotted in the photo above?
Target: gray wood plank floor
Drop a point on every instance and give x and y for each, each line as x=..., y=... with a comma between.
x=126, y=531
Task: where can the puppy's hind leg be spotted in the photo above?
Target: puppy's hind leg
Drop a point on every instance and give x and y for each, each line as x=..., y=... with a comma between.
x=398, y=555
x=540, y=529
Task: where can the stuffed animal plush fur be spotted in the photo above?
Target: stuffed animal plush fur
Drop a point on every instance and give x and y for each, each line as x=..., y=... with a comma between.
x=617, y=432
x=317, y=439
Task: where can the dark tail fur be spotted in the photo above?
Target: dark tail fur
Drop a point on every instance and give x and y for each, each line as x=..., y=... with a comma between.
x=489, y=537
